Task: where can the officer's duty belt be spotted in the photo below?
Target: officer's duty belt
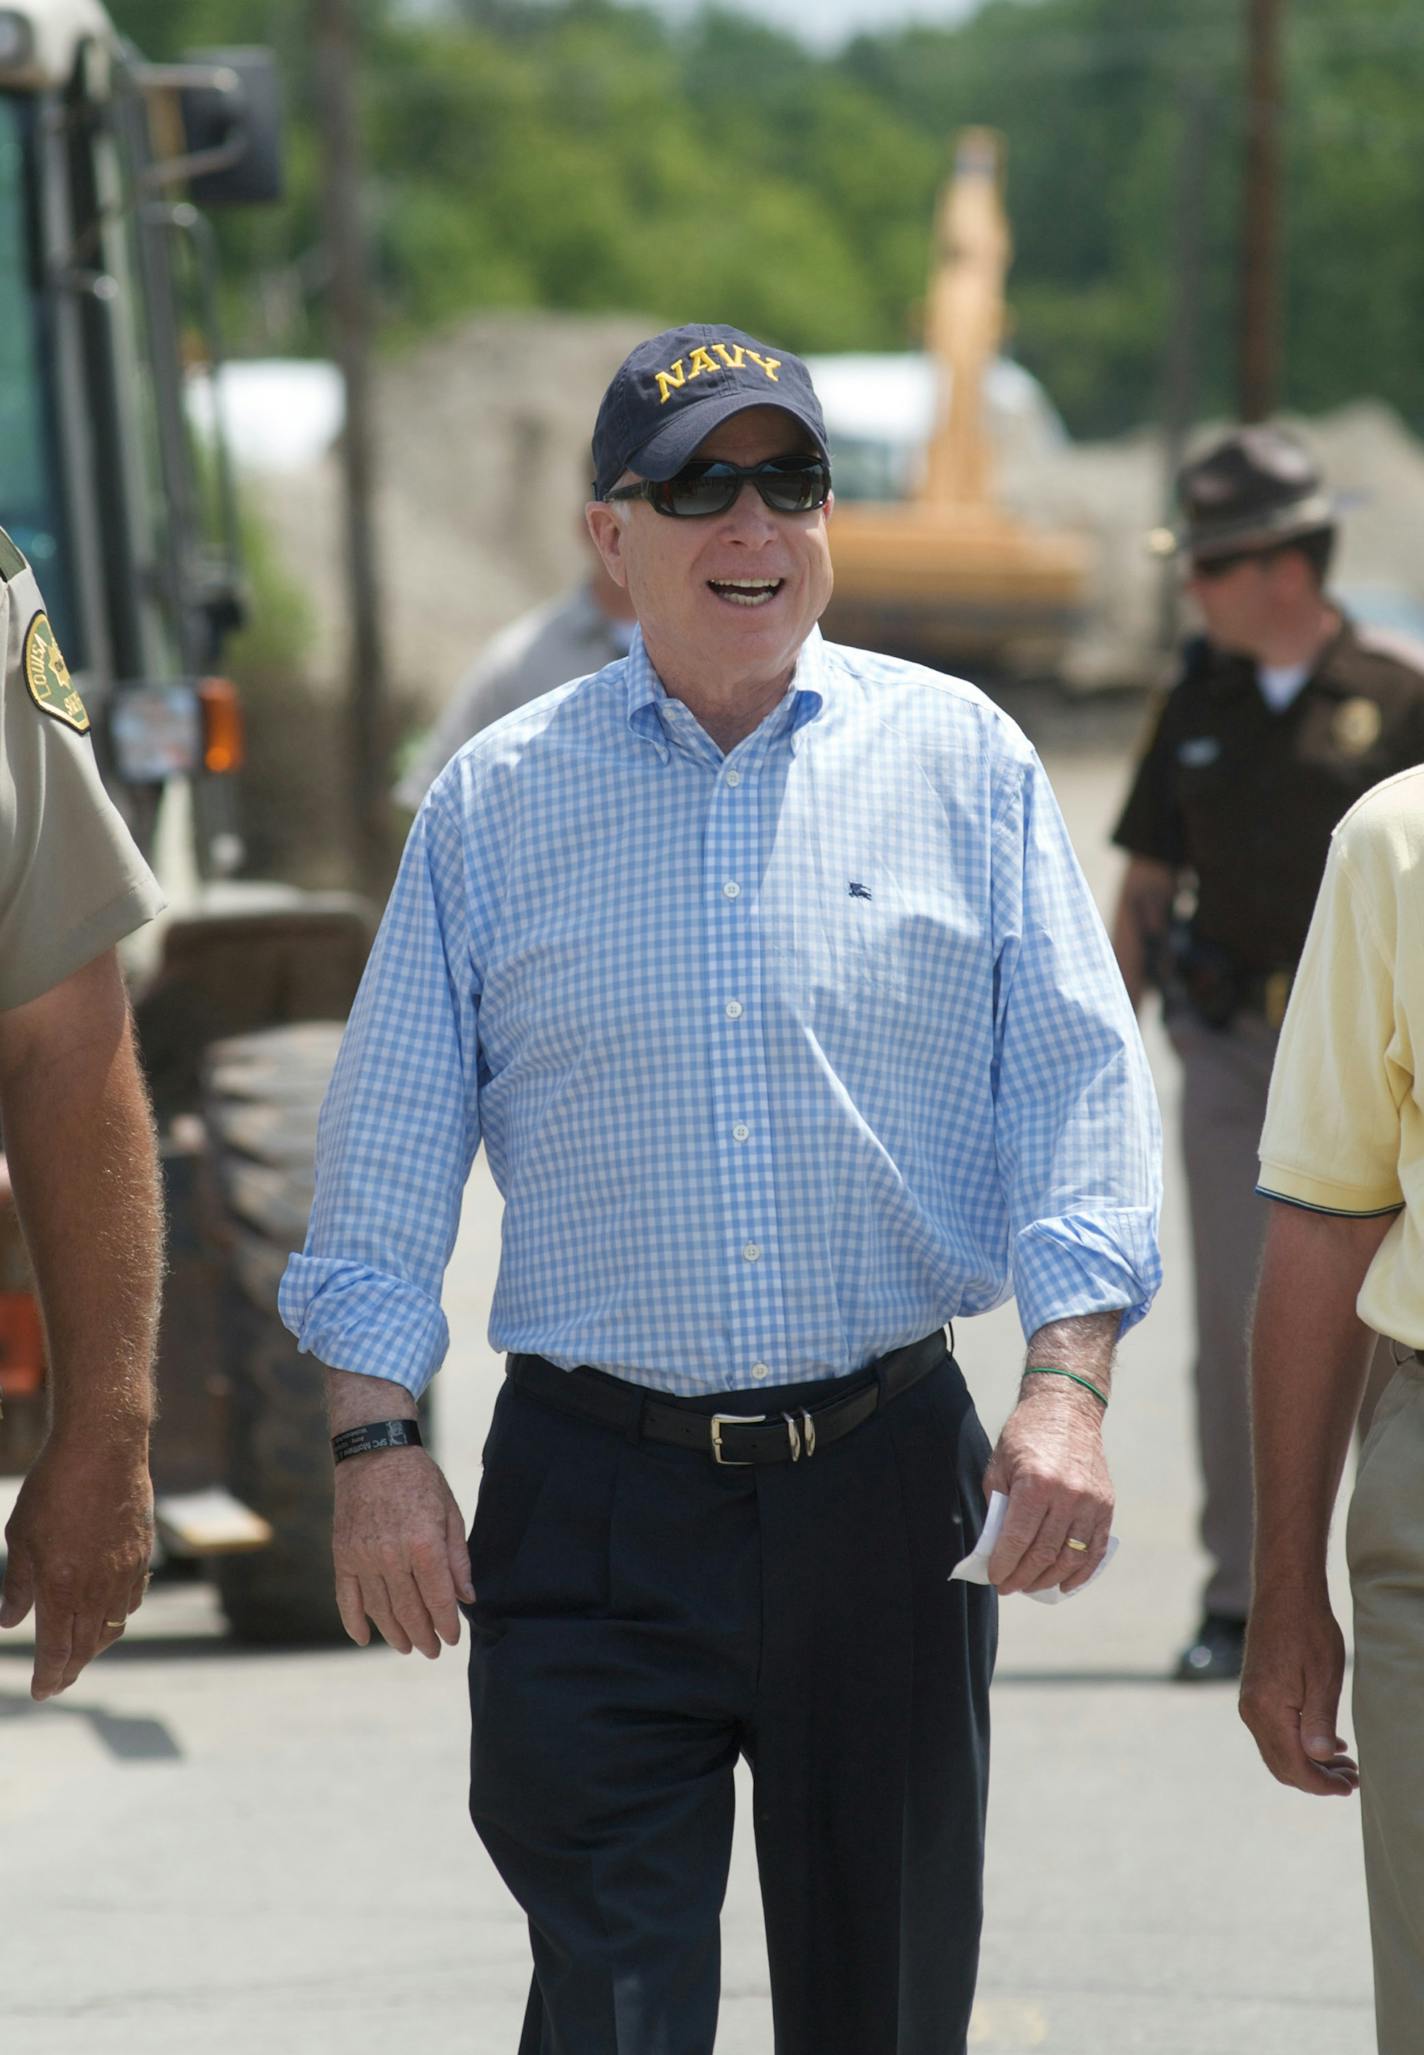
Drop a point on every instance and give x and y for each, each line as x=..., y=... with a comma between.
x=732, y=1439
x=1267, y=994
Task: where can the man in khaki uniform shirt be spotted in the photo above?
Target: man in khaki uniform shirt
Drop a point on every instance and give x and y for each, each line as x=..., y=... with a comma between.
x=80, y=1151
x=1342, y=1156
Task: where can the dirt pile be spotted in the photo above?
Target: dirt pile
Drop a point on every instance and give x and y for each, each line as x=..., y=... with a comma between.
x=483, y=464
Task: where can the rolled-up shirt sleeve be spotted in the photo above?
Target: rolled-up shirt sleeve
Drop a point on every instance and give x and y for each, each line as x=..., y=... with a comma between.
x=398, y=1131
x=1077, y=1130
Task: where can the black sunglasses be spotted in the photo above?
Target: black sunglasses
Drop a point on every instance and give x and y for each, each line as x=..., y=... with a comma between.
x=788, y=485
x=1210, y=568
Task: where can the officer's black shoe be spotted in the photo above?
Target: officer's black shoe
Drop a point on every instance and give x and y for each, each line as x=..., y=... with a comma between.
x=1214, y=1657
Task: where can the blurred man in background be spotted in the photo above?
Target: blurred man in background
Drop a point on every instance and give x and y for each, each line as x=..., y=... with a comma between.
x=1343, y=1156
x=566, y=638
x=80, y=1152
x=1284, y=714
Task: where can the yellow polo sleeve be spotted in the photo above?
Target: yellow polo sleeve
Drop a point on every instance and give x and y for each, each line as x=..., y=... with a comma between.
x=1344, y=1129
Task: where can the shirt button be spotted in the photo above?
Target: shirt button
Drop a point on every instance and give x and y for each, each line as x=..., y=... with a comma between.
x=741, y=1132
x=733, y=1009
x=760, y=1370
x=752, y=1251
x=734, y=777
x=731, y=890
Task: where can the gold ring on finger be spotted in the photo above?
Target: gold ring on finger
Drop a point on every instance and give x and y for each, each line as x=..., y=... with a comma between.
x=116, y=1623
x=1080, y=1545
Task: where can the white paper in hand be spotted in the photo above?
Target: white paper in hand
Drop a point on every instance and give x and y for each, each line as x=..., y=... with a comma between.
x=975, y=1567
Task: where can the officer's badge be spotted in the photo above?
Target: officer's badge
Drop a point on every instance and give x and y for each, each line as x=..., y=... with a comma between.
x=47, y=675
x=1355, y=727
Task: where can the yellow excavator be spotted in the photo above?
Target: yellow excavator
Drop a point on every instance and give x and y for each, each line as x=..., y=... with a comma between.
x=946, y=574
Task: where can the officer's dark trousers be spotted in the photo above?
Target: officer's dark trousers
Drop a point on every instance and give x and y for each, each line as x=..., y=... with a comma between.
x=643, y=1617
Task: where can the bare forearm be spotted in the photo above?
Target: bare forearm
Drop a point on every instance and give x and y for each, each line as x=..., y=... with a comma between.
x=356, y=1401
x=1084, y=1347
x=1143, y=909
x=1309, y=1354
x=83, y=1163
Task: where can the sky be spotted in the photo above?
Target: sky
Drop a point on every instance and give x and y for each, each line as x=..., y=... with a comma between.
x=823, y=24
x=826, y=24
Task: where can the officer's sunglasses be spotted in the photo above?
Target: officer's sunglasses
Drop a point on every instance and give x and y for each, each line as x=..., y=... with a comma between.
x=1208, y=569
x=788, y=485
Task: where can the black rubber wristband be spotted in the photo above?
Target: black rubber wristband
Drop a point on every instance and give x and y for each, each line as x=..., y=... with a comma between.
x=364, y=1441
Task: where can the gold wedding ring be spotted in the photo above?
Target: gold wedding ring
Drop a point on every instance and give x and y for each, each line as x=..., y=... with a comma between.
x=1082, y=1545
x=116, y=1623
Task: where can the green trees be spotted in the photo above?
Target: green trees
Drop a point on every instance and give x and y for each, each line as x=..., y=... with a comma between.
x=585, y=154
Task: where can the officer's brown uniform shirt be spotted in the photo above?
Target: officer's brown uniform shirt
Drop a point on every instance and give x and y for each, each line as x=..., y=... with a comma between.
x=72, y=883
x=1247, y=798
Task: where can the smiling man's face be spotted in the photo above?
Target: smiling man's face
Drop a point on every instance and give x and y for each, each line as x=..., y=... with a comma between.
x=730, y=596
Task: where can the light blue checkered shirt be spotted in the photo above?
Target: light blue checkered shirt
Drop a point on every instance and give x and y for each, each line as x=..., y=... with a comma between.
x=781, y=1058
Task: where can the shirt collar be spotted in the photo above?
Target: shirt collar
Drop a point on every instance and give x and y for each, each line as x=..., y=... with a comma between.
x=804, y=700
x=1233, y=675
x=1343, y=645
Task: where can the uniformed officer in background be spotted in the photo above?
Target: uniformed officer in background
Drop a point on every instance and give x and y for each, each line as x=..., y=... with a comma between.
x=80, y=1150
x=1284, y=714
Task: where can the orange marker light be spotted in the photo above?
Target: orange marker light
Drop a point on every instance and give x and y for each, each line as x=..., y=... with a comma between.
x=22, y=1355
x=224, y=747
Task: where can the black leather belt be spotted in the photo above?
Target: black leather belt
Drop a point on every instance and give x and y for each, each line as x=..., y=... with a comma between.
x=729, y=1438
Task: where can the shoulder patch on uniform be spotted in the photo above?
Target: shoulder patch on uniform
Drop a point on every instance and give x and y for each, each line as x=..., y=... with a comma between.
x=47, y=675
x=12, y=560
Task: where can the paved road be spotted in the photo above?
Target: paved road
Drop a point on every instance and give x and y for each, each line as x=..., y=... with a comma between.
x=234, y=1853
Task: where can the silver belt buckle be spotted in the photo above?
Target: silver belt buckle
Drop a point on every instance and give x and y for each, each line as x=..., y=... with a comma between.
x=721, y=1420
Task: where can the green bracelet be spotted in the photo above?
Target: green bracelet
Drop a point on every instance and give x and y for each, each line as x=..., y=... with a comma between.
x=1050, y=1370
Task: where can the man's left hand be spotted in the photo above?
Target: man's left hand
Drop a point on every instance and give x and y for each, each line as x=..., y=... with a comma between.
x=1050, y=1465
x=1290, y=1690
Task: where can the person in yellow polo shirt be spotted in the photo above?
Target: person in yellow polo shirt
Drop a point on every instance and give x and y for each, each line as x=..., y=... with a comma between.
x=1342, y=1159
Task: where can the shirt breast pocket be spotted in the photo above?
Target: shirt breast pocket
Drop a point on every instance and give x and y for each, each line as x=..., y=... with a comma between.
x=1211, y=797
x=871, y=950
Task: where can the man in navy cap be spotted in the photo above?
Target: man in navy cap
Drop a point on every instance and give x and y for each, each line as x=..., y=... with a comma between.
x=766, y=974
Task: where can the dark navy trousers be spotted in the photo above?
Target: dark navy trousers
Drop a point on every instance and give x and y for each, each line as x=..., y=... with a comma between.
x=643, y=1617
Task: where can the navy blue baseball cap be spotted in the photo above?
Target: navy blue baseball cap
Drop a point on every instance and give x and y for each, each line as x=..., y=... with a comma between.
x=674, y=389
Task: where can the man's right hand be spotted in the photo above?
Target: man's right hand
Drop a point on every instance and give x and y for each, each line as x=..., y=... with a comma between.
x=1290, y=1693
x=79, y=1545
x=398, y=1544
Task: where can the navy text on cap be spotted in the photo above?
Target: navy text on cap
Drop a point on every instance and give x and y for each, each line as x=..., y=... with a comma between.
x=673, y=390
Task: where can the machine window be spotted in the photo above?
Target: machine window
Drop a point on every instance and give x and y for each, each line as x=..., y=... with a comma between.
x=31, y=477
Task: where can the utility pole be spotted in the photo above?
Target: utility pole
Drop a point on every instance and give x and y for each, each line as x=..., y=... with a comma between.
x=1181, y=369
x=1259, y=358
x=348, y=300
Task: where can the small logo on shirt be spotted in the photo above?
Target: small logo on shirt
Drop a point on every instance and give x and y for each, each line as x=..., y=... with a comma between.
x=858, y=891
x=1199, y=752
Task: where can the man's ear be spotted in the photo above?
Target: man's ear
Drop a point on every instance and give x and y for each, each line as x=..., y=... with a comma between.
x=606, y=532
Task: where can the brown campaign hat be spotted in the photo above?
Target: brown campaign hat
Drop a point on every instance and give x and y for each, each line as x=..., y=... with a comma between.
x=1255, y=489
